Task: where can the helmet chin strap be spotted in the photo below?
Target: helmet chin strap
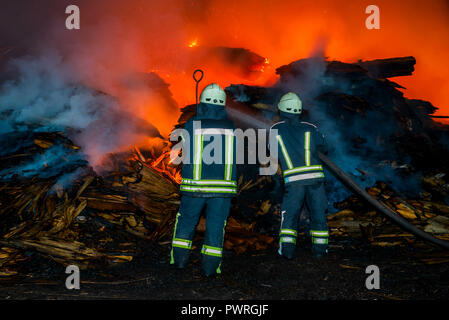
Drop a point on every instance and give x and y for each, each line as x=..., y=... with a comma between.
x=197, y=82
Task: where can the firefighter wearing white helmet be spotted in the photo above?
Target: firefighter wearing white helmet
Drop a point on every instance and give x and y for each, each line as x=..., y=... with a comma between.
x=290, y=103
x=205, y=184
x=213, y=94
x=303, y=175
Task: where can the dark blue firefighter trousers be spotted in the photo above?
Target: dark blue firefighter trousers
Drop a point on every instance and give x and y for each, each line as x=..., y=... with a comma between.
x=217, y=212
x=294, y=198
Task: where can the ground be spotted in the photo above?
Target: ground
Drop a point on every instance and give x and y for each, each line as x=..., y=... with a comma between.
x=253, y=275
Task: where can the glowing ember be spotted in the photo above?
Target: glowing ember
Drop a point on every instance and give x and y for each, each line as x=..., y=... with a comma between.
x=194, y=43
x=266, y=62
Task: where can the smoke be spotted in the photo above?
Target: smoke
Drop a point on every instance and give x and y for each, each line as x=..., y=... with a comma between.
x=52, y=162
x=119, y=39
x=45, y=97
x=154, y=35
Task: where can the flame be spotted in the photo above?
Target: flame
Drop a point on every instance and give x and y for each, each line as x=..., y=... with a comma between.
x=286, y=31
x=265, y=63
x=157, y=35
x=161, y=164
x=192, y=44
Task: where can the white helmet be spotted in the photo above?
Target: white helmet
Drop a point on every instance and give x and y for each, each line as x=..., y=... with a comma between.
x=213, y=94
x=290, y=103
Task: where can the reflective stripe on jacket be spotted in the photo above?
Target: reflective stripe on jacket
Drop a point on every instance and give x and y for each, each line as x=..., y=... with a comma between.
x=210, y=179
x=298, y=144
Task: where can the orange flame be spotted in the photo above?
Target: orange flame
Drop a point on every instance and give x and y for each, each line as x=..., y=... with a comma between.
x=192, y=44
x=280, y=31
x=161, y=164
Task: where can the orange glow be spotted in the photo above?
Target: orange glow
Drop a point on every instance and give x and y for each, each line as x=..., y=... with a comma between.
x=157, y=35
x=161, y=164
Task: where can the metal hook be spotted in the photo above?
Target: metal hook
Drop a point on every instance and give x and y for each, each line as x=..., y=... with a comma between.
x=197, y=82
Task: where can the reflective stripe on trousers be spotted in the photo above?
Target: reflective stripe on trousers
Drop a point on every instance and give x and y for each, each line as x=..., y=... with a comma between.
x=292, y=203
x=217, y=211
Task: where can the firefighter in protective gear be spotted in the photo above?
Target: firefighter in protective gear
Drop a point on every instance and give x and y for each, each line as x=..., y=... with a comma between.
x=209, y=184
x=303, y=175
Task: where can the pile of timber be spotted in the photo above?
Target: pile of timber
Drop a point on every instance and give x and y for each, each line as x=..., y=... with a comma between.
x=376, y=124
x=373, y=119
x=95, y=221
x=355, y=218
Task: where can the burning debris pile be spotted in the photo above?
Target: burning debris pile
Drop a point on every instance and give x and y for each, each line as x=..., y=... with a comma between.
x=99, y=219
x=373, y=131
x=388, y=143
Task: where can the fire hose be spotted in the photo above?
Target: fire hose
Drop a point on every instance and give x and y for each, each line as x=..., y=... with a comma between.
x=378, y=205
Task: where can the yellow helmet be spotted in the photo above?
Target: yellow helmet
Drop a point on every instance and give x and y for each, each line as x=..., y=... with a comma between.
x=290, y=103
x=213, y=94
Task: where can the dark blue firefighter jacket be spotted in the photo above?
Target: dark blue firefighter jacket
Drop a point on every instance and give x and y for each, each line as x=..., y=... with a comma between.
x=211, y=168
x=298, y=145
